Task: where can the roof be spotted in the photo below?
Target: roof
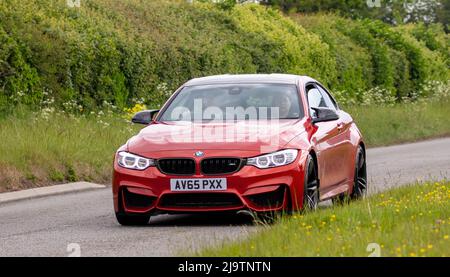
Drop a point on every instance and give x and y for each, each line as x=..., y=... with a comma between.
x=247, y=78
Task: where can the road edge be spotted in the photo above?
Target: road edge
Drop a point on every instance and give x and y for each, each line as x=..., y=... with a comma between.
x=48, y=191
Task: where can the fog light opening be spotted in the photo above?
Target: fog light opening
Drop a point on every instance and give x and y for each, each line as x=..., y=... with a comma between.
x=272, y=200
x=134, y=200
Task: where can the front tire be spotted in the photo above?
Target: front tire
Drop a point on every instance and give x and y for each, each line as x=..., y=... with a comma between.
x=311, y=196
x=132, y=219
x=360, y=180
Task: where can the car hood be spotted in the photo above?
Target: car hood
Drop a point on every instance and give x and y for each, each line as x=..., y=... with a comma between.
x=251, y=136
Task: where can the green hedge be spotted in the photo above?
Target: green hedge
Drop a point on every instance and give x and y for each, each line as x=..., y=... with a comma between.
x=120, y=51
x=431, y=36
x=401, y=58
x=302, y=52
x=354, y=67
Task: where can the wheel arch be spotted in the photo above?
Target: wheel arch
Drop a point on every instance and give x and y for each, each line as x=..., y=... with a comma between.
x=363, y=145
x=296, y=192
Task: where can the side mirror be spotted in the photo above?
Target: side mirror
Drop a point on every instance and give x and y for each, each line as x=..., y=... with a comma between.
x=324, y=114
x=144, y=117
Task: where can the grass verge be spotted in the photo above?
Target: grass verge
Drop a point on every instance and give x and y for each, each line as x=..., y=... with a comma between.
x=406, y=122
x=408, y=221
x=49, y=148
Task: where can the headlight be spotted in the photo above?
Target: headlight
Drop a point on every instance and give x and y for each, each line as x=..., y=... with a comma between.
x=131, y=161
x=279, y=158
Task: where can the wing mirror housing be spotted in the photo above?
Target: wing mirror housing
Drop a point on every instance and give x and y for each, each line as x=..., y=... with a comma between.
x=144, y=117
x=324, y=114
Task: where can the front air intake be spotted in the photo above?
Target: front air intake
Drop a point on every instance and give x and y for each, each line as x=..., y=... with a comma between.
x=200, y=200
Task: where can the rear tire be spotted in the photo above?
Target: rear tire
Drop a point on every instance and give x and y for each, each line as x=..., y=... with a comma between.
x=132, y=219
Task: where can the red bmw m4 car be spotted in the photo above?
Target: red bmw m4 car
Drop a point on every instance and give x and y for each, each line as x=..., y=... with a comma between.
x=252, y=143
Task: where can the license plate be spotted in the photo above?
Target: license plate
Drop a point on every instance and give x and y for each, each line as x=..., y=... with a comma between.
x=204, y=184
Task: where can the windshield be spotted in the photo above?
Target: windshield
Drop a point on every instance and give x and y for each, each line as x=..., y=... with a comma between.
x=234, y=102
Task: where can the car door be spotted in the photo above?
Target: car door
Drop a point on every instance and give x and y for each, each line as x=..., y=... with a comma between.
x=327, y=140
x=343, y=154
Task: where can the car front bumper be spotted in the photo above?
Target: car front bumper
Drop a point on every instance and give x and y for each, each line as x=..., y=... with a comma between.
x=250, y=188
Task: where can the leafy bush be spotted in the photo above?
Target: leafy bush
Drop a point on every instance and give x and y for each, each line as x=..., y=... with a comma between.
x=353, y=62
x=432, y=36
x=398, y=63
x=302, y=52
x=119, y=51
x=423, y=64
x=17, y=77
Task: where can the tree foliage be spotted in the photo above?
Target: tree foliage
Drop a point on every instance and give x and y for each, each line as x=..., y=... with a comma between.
x=394, y=11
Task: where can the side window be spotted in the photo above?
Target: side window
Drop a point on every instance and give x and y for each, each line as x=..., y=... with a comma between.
x=314, y=100
x=317, y=99
x=328, y=99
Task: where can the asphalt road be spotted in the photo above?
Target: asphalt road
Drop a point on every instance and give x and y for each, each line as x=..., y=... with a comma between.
x=51, y=225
